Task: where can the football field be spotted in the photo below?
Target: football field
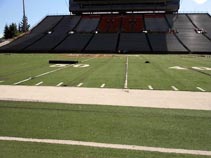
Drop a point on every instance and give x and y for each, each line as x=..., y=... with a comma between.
x=148, y=72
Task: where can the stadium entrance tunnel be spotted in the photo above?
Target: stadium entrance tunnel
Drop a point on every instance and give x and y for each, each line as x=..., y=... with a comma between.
x=129, y=33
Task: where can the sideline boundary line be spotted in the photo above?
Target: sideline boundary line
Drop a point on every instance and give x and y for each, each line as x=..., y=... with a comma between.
x=110, y=146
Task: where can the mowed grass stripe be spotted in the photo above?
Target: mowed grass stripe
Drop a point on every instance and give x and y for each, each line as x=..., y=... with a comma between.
x=33, y=150
x=184, y=129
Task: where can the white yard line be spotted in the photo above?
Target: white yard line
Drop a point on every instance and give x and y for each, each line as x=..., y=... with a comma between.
x=49, y=72
x=126, y=74
x=38, y=83
x=59, y=84
x=174, y=88
x=201, y=89
x=80, y=84
x=103, y=85
x=23, y=81
x=110, y=146
x=150, y=87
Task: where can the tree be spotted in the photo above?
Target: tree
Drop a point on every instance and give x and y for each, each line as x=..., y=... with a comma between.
x=10, y=31
x=6, y=32
x=23, y=25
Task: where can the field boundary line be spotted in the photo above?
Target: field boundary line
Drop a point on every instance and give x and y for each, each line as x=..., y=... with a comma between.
x=110, y=146
x=126, y=74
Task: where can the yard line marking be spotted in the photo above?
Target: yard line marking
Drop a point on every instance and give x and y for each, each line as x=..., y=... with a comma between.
x=23, y=81
x=201, y=89
x=46, y=73
x=150, y=87
x=126, y=74
x=80, y=84
x=38, y=83
x=108, y=146
x=103, y=85
x=174, y=88
x=58, y=85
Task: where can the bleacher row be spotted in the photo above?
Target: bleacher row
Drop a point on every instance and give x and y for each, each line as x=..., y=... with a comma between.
x=139, y=33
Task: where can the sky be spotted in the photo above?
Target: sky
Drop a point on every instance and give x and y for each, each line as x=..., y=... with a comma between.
x=36, y=10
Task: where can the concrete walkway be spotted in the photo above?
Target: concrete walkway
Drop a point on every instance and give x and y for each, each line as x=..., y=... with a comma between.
x=105, y=145
x=116, y=97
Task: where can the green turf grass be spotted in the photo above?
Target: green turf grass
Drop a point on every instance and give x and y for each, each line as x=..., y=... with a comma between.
x=110, y=71
x=184, y=129
x=38, y=150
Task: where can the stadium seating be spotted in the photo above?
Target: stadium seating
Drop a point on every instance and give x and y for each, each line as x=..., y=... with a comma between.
x=156, y=23
x=56, y=35
x=36, y=34
x=74, y=43
x=103, y=42
x=88, y=24
x=133, y=42
x=161, y=42
x=202, y=22
x=124, y=33
x=132, y=23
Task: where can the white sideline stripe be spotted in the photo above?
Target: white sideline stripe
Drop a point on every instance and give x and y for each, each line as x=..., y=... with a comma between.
x=61, y=83
x=38, y=83
x=23, y=81
x=80, y=84
x=126, y=75
x=103, y=85
x=174, y=88
x=110, y=146
x=201, y=89
x=150, y=87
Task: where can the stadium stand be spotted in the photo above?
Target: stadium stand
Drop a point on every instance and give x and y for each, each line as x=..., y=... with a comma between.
x=202, y=22
x=103, y=42
x=156, y=23
x=56, y=35
x=120, y=30
x=74, y=43
x=88, y=24
x=132, y=23
x=36, y=34
x=165, y=43
x=133, y=42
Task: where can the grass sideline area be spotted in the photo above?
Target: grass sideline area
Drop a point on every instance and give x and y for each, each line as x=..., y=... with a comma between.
x=185, y=129
x=35, y=150
x=109, y=71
